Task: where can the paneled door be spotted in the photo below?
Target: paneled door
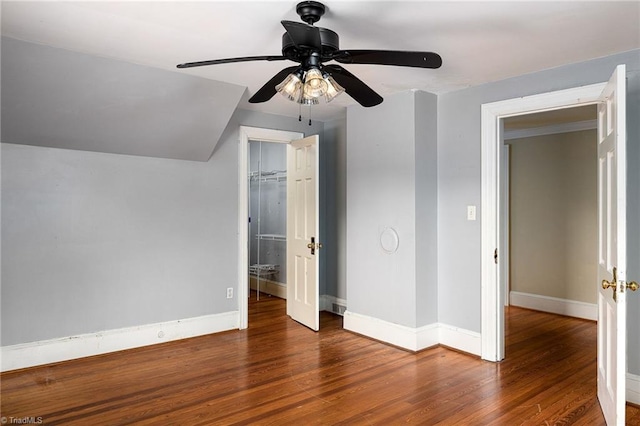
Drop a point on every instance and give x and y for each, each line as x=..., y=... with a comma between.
x=612, y=259
x=302, y=232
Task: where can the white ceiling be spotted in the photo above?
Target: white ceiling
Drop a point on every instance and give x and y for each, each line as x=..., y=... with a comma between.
x=479, y=41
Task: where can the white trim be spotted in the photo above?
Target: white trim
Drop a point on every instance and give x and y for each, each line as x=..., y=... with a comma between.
x=492, y=316
x=413, y=339
x=633, y=388
x=55, y=350
x=554, y=305
x=460, y=339
x=551, y=130
x=492, y=334
x=405, y=337
x=247, y=134
x=273, y=288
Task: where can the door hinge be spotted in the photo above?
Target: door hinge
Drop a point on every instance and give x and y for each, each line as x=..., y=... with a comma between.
x=495, y=256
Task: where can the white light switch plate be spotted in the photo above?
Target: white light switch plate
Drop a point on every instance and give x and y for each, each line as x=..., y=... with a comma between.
x=471, y=212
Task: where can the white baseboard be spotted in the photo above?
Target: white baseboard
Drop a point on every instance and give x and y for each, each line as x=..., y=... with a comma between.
x=55, y=350
x=555, y=305
x=333, y=304
x=414, y=339
x=270, y=287
x=460, y=339
x=633, y=388
x=405, y=337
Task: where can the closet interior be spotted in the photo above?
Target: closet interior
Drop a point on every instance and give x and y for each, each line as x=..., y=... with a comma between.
x=267, y=218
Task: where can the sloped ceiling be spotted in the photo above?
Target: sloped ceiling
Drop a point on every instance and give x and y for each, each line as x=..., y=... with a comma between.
x=59, y=98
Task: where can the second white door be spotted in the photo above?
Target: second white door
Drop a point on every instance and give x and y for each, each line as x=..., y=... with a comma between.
x=612, y=259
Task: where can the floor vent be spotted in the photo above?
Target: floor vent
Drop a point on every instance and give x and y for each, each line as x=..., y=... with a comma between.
x=338, y=309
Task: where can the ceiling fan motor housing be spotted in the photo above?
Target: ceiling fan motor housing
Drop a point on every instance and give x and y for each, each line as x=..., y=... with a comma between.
x=330, y=43
x=310, y=11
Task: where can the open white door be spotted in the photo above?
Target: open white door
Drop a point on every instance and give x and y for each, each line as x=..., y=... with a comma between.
x=612, y=259
x=302, y=232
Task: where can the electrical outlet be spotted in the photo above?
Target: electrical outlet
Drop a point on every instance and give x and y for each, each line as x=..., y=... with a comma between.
x=230, y=293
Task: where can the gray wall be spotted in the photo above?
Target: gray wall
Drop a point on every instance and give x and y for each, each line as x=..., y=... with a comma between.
x=333, y=171
x=426, y=166
x=459, y=183
x=381, y=193
x=94, y=241
x=391, y=182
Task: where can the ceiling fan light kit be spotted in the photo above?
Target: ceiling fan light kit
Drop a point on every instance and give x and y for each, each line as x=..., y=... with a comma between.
x=311, y=47
x=307, y=87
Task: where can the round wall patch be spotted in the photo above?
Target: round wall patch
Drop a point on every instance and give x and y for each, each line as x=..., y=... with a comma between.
x=389, y=240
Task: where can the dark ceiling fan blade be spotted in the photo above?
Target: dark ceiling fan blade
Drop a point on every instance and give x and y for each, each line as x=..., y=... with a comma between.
x=231, y=60
x=354, y=87
x=389, y=57
x=303, y=35
x=267, y=91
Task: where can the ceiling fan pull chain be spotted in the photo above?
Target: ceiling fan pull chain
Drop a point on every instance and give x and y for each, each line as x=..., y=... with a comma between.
x=309, y=114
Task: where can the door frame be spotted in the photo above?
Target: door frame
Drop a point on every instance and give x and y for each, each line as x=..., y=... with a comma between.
x=248, y=134
x=492, y=180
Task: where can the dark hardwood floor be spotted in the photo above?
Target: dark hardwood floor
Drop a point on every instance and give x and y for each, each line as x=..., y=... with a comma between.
x=278, y=372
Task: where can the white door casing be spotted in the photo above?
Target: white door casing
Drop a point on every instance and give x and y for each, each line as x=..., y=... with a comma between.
x=302, y=232
x=492, y=176
x=612, y=261
x=246, y=135
x=492, y=336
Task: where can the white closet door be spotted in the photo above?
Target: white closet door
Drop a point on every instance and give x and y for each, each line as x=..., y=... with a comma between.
x=302, y=232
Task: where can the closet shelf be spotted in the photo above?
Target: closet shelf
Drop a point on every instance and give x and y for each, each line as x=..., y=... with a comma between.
x=272, y=237
x=269, y=176
x=264, y=269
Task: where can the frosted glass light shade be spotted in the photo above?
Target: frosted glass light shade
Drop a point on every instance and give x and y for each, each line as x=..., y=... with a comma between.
x=314, y=84
x=333, y=88
x=291, y=88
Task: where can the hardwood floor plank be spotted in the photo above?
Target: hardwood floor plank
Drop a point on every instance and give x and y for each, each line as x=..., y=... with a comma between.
x=279, y=372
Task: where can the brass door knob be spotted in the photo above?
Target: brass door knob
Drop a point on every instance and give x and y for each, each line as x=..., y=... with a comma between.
x=613, y=284
x=632, y=285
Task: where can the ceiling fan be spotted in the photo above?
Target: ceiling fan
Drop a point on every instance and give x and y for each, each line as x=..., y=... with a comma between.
x=311, y=47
